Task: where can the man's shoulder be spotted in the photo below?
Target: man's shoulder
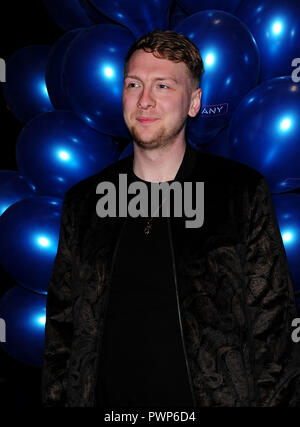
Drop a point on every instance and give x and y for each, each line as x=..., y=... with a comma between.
x=208, y=166
x=223, y=169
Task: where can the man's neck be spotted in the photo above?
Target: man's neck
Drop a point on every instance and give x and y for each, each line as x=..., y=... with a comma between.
x=158, y=165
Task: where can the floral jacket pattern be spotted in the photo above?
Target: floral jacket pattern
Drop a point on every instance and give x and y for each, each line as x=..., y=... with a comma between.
x=235, y=294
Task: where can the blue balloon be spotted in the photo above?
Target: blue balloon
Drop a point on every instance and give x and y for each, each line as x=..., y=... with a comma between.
x=231, y=68
x=94, y=14
x=194, y=6
x=264, y=132
x=56, y=150
x=29, y=232
x=25, y=88
x=275, y=25
x=287, y=207
x=93, y=77
x=177, y=14
x=24, y=317
x=54, y=70
x=128, y=150
x=219, y=144
x=68, y=14
x=13, y=188
x=140, y=16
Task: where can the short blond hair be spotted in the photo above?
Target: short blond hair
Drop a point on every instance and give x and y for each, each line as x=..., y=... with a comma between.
x=173, y=46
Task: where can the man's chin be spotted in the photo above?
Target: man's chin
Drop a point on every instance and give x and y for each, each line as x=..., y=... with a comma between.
x=145, y=143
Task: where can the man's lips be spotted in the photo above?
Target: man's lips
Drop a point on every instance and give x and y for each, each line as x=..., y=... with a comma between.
x=146, y=119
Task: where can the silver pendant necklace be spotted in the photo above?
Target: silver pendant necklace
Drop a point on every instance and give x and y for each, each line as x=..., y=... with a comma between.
x=148, y=226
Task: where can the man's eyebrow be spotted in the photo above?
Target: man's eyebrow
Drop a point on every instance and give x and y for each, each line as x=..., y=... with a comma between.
x=156, y=78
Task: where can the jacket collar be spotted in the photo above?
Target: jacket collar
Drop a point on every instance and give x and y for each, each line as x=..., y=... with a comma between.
x=188, y=163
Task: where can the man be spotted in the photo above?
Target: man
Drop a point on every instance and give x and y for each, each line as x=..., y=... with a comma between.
x=146, y=312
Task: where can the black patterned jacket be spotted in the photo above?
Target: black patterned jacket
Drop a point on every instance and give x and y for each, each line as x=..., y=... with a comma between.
x=234, y=292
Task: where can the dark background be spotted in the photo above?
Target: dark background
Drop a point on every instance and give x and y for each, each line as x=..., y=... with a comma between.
x=22, y=23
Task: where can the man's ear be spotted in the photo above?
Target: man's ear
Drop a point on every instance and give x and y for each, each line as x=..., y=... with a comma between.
x=195, y=103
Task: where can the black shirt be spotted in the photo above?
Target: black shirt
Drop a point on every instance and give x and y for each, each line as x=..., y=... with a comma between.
x=142, y=363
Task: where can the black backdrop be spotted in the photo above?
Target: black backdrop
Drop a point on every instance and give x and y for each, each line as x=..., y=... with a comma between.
x=23, y=23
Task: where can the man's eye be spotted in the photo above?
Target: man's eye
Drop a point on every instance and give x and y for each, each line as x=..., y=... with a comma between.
x=164, y=86
x=132, y=85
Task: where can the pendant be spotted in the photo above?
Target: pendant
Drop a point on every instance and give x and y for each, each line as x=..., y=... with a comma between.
x=147, y=229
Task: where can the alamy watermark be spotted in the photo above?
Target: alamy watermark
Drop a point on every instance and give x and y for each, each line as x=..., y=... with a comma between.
x=2, y=330
x=138, y=205
x=295, y=76
x=2, y=80
x=296, y=332
x=2, y=70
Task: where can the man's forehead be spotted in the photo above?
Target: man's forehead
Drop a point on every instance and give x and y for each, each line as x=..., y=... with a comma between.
x=154, y=77
x=143, y=64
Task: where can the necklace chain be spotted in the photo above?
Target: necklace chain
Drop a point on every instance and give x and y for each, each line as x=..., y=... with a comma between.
x=148, y=226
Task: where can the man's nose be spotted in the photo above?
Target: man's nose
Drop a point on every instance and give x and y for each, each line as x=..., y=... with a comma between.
x=146, y=99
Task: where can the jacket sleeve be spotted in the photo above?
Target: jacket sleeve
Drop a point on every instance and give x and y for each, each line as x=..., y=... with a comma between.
x=271, y=306
x=59, y=325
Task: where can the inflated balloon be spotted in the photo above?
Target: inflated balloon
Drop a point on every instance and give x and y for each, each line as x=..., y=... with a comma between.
x=29, y=232
x=56, y=150
x=68, y=14
x=93, y=76
x=275, y=25
x=140, y=16
x=231, y=68
x=94, y=14
x=13, y=188
x=219, y=144
x=54, y=70
x=194, y=6
x=24, y=316
x=177, y=14
x=264, y=132
x=287, y=207
x=25, y=88
x=128, y=150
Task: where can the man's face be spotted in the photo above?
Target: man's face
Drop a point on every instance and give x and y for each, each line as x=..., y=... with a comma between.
x=157, y=98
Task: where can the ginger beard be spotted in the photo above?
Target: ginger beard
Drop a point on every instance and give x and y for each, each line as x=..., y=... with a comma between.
x=159, y=138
